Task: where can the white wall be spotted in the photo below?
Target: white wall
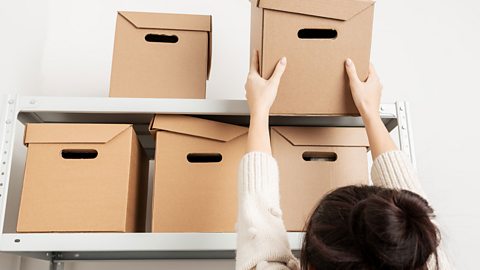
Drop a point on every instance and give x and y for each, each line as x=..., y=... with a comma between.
x=425, y=51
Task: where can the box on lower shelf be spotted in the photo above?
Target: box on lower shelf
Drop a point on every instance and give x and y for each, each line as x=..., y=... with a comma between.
x=83, y=178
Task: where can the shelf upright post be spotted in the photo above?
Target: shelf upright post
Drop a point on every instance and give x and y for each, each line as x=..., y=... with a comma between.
x=7, y=134
x=405, y=130
x=54, y=263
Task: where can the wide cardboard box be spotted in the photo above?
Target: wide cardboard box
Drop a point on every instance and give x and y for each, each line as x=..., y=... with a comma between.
x=158, y=55
x=314, y=161
x=316, y=36
x=83, y=178
x=195, y=183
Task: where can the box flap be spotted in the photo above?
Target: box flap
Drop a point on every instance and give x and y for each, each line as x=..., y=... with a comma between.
x=72, y=133
x=323, y=136
x=187, y=22
x=197, y=127
x=333, y=9
x=147, y=20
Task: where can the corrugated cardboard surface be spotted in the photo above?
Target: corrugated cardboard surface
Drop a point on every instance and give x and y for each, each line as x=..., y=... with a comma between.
x=332, y=9
x=315, y=81
x=195, y=197
x=196, y=126
x=103, y=194
x=161, y=70
x=303, y=183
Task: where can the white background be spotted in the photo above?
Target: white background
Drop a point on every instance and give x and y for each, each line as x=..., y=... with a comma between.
x=426, y=52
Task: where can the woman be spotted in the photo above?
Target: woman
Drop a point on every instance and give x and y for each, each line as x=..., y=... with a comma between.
x=385, y=226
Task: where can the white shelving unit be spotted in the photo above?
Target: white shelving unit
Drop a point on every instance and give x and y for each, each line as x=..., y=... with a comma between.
x=59, y=247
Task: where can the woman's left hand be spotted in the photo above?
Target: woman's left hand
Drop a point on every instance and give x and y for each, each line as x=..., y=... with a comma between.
x=260, y=92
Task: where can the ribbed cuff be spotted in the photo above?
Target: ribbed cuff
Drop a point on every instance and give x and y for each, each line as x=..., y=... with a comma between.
x=394, y=170
x=258, y=175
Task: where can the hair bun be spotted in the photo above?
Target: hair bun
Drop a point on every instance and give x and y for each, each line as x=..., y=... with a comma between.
x=393, y=227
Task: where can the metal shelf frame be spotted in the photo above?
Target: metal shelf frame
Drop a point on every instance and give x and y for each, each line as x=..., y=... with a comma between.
x=59, y=247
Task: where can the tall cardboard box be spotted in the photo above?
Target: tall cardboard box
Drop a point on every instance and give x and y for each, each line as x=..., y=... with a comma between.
x=316, y=36
x=83, y=178
x=314, y=161
x=158, y=55
x=195, y=183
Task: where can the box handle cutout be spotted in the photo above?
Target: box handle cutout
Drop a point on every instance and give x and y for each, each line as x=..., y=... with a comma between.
x=79, y=153
x=204, y=157
x=315, y=33
x=319, y=156
x=161, y=38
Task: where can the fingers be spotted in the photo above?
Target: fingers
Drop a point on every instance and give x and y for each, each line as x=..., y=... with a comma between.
x=279, y=69
x=351, y=71
x=254, y=63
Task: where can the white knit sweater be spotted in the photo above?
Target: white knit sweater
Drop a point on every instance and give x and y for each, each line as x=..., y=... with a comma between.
x=261, y=235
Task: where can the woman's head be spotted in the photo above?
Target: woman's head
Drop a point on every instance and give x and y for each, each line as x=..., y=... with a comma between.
x=368, y=227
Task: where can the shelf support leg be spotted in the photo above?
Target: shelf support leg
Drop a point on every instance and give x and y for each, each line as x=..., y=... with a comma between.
x=8, y=123
x=56, y=265
x=405, y=130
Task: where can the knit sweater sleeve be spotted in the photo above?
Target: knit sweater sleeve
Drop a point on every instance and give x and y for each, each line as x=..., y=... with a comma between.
x=394, y=170
x=262, y=241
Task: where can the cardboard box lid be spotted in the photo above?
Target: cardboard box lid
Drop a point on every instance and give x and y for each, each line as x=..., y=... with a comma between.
x=187, y=22
x=333, y=9
x=323, y=136
x=196, y=127
x=72, y=133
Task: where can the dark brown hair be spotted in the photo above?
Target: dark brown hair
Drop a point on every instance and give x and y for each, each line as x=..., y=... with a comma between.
x=369, y=227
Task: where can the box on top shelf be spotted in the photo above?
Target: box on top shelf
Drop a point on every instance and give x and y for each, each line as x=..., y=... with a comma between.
x=195, y=182
x=83, y=178
x=158, y=55
x=313, y=161
x=316, y=36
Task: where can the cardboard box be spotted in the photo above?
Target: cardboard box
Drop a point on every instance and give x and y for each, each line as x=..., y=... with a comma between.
x=316, y=36
x=314, y=161
x=83, y=178
x=195, y=183
x=159, y=55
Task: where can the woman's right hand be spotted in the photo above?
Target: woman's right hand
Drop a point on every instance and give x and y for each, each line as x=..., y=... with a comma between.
x=366, y=95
